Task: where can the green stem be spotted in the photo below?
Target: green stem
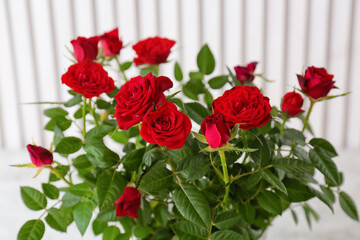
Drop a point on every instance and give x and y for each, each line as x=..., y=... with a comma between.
x=54, y=171
x=83, y=116
x=218, y=172
x=283, y=126
x=312, y=103
x=226, y=176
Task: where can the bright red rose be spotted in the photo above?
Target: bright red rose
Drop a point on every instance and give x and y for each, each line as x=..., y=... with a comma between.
x=316, y=83
x=166, y=127
x=129, y=203
x=153, y=50
x=137, y=98
x=292, y=103
x=85, y=48
x=111, y=43
x=39, y=155
x=244, y=74
x=88, y=78
x=216, y=131
x=245, y=105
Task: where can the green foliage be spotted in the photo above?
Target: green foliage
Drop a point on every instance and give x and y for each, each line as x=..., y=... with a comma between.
x=205, y=60
x=32, y=230
x=33, y=199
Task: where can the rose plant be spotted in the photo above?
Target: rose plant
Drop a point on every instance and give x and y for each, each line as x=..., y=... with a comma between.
x=148, y=164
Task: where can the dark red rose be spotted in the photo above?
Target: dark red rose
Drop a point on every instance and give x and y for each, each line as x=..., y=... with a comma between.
x=166, y=126
x=316, y=83
x=88, y=78
x=129, y=203
x=137, y=98
x=216, y=131
x=244, y=74
x=39, y=155
x=85, y=48
x=292, y=103
x=245, y=105
x=111, y=43
x=153, y=50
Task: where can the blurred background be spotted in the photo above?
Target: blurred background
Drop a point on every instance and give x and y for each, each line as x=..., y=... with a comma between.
x=284, y=36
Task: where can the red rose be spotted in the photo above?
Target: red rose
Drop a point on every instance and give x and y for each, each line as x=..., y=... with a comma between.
x=216, y=131
x=245, y=73
x=85, y=48
x=88, y=78
x=243, y=104
x=129, y=203
x=137, y=98
x=111, y=43
x=153, y=50
x=166, y=126
x=316, y=83
x=292, y=104
x=39, y=155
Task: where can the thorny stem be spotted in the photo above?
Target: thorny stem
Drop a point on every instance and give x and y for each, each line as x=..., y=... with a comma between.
x=218, y=172
x=226, y=176
x=306, y=122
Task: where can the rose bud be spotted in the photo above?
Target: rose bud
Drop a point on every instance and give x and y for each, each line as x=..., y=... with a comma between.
x=316, y=83
x=129, y=203
x=85, y=48
x=88, y=78
x=216, y=131
x=166, y=127
x=39, y=155
x=243, y=104
x=244, y=74
x=137, y=98
x=153, y=50
x=111, y=43
x=292, y=103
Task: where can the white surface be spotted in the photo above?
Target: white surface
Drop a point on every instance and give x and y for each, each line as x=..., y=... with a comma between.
x=13, y=213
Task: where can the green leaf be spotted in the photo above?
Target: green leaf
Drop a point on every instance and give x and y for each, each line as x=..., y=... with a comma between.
x=270, y=202
x=99, y=131
x=33, y=199
x=141, y=231
x=70, y=200
x=218, y=82
x=292, y=165
x=74, y=101
x=297, y=192
x=324, y=198
x=120, y=137
x=177, y=72
x=108, y=215
x=62, y=122
x=348, y=205
x=187, y=230
x=81, y=189
x=331, y=97
x=99, y=155
x=205, y=60
x=192, y=204
x=81, y=162
x=110, y=185
x=208, y=98
x=68, y=145
x=273, y=180
x=55, y=112
x=309, y=212
x=50, y=191
x=294, y=215
x=57, y=219
x=179, y=154
x=247, y=212
x=161, y=214
x=325, y=165
x=263, y=156
x=226, y=234
x=133, y=159
x=325, y=145
x=82, y=215
x=32, y=230
x=196, y=111
x=193, y=88
x=58, y=135
x=159, y=178
x=125, y=66
x=111, y=233
x=102, y=104
x=294, y=135
x=194, y=167
x=98, y=226
x=196, y=76
x=226, y=220
x=329, y=193
x=144, y=213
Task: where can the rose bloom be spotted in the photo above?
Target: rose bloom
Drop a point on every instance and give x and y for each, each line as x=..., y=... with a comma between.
x=166, y=127
x=292, y=103
x=129, y=203
x=137, y=98
x=39, y=155
x=316, y=83
x=245, y=73
x=153, y=50
x=88, y=78
x=85, y=48
x=215, y=130
x=243, y=104
x=111, y=43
